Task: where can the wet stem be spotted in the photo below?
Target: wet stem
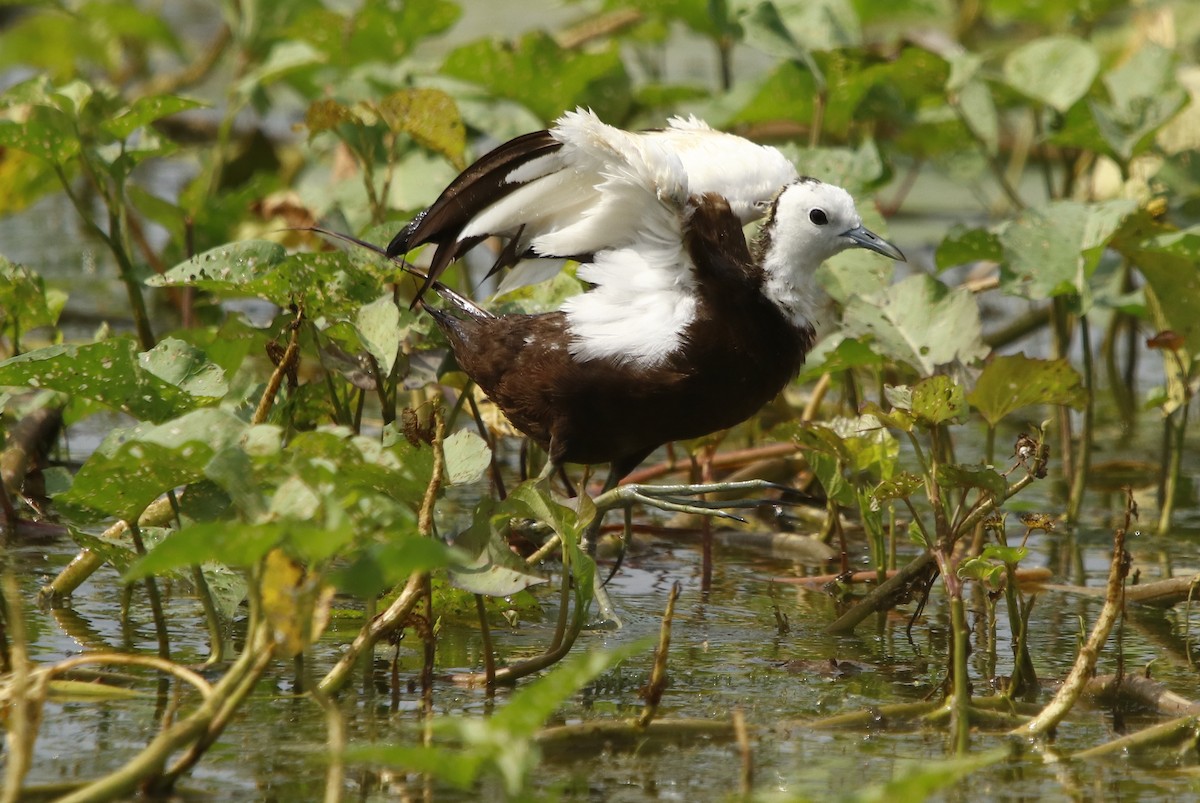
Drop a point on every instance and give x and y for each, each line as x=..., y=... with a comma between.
x=1084, y=453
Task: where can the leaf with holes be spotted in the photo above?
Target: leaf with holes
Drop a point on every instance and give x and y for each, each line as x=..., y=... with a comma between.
x=1053, y=249
x=937, y=400
x=919, y=321
x=113, y=374
x=128, y=472
x=985, y=478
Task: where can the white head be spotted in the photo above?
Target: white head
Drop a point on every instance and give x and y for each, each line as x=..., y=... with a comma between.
x=809, y=222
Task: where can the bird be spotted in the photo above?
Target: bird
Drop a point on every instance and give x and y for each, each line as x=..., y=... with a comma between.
x=686, y=327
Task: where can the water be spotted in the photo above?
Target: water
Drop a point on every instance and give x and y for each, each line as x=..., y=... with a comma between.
x=727, y=653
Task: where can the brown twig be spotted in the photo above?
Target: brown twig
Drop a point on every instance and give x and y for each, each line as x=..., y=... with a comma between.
x=285, y=365
x=658, y=675
x=1085, y=662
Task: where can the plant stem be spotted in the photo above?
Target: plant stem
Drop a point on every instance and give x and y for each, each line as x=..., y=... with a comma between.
x=24, y=707
x=1174, y=463
x=1083, y=456
x=156, y=608
x=961, y=693
x=1062, y=347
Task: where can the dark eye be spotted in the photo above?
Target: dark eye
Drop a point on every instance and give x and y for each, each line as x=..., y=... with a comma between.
x=818, y=217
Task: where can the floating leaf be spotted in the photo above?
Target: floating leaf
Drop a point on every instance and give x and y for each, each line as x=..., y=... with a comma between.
x=1055, y=70
x=1013, y=381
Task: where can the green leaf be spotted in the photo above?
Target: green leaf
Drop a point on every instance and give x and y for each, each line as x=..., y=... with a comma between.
x=1056, y=70
x=431, y=118
x=503, y=742
x=46, y=133
x=917, y=536
x=918, y=321
x=225, y=267
x=938, y=399
x=979, y=113
x=112, y=373
x=1169, y=263
x=764, y=30
x=467, y=457
x=535, y=503
x=972, y=476
x=229, y=542
x=146, y=110
x=1013, y=381
x=489, y=567
x=1012, y=555
x=325, y=284
x=814, y=25
x=1053, y=249
x=285, y=59
x=985, y=571
x=835, y=356
x=962, y=245
x=121, y=479
x=378, y=326
x=1144, y=96
x=547, y=78
x=24, y=299
x=186, y=367
x=921, y=780
x=902, y=486
x=380, y=567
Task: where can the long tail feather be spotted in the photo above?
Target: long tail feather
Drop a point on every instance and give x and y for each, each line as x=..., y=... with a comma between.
x=450, y=296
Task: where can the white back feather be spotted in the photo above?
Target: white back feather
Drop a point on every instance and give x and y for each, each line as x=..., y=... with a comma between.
x=644, y=295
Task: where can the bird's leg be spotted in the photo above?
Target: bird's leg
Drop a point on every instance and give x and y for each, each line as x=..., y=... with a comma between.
x=607, y=611
x=673, y=498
